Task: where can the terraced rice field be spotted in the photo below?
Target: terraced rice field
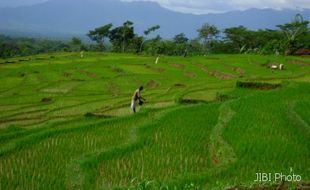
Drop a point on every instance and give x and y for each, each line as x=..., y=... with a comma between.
x=65, y=122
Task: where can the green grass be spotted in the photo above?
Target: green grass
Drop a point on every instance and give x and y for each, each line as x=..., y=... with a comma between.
x=223, y=140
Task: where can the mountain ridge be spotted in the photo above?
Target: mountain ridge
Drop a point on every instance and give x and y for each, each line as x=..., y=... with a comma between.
x=76, y=17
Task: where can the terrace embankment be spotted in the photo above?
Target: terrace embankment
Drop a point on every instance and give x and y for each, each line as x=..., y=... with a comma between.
x=257, y=85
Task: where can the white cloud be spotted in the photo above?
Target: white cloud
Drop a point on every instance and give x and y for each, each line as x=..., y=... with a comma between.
x=215, y=6
x=200, y=6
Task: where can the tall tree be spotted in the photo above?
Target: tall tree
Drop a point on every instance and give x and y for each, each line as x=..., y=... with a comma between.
x=293, y=31
x=180, y=39
x=146, y=33
x=180, y=42
x=238, y=36
x=100, y=34
x=153, y=46
x=76, y=41
x=122, y=35
x=207, y=33
x=75, y=44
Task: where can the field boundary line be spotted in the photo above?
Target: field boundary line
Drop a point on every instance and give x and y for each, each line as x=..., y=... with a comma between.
x=221, y=153
x=297, y=119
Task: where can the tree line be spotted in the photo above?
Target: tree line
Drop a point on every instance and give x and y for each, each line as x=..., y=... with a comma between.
x=286, y=39
x=22, y=46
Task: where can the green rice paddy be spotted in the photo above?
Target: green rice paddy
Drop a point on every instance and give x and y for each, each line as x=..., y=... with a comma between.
x=66, y=123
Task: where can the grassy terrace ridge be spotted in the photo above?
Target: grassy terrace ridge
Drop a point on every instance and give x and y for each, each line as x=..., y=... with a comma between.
x=208, y=123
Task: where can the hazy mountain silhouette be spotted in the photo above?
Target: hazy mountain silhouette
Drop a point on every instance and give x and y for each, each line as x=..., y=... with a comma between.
x=76, y=17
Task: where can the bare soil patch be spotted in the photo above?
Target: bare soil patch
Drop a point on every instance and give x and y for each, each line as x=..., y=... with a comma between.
x=240, y=71
x=217, y=74
x=179, y=85
x=89, y=74
x=152, y=84
x=178, y=66
x=96, y=115
x=46, y=100
x=190, y=74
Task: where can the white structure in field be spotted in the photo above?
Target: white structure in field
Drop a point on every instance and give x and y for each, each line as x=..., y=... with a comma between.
x=274, y=66
x=157, y=59
x=281, y=67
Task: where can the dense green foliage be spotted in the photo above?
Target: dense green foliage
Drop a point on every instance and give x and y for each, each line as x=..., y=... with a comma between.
x=12, y=47
x=287, y=39
x=65, y=121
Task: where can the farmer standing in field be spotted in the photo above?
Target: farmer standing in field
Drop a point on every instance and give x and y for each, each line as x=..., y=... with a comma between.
x=137, y=96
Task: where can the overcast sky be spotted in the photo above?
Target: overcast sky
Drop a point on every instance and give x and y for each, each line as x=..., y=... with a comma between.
x=201, y=6
x=14, y=3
